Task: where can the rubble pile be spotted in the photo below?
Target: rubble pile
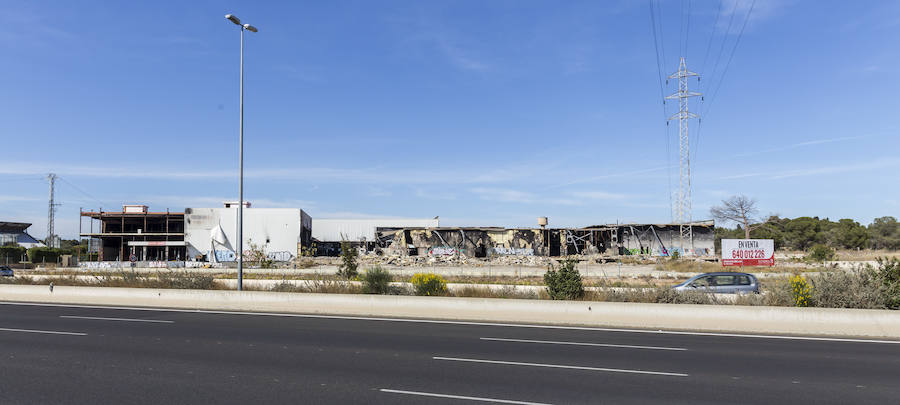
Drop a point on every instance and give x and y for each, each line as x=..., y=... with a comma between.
x=456, y=260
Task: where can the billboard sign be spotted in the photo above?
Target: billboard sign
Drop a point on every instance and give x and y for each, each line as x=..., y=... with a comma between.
x=748, y=252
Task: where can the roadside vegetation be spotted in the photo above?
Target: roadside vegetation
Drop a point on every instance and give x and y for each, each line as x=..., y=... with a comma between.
x=565, y=282
x=866, y=287
x=349, y=265
x=377, y=281
x=125, y=278
x=428, y=284
x=701, y=266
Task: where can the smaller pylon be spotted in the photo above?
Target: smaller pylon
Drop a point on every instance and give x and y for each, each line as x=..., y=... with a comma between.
x=51, y=240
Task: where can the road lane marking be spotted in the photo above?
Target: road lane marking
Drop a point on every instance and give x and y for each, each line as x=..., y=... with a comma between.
x=430, y=394
x=435, y=321
x=516, y=363
x=97, y=318
x=49, y=332
x=552, y=342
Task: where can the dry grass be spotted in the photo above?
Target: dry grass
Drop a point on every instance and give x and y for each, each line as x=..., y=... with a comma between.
x=536, y=280
x=161, y=279
x=696, y=266
x=865, y=255
x=319, y=285
x=505, y=292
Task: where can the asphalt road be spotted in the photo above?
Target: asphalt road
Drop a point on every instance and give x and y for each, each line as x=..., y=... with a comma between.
x=72, y=354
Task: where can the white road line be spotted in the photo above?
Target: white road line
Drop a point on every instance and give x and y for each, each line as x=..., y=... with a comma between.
x=434, y=321
x=429, y=394
x=49, y=332
x=552, y=342
x=97, y=318
x=516, y=363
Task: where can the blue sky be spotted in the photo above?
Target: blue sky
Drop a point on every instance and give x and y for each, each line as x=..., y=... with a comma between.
x=484, y=113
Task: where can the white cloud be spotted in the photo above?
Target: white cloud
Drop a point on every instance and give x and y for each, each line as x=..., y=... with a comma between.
x=16, y=198
x=508, y=195
x=435, y=195
x=762, y=10
x=354, y=215
x=178, y=202
x=816, y=171
x=378, y=192
x=834, y=169
x=598, y=195
x=461, y=58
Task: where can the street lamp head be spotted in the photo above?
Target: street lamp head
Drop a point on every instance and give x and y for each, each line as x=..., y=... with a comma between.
x=250, y=28
x=233, y=18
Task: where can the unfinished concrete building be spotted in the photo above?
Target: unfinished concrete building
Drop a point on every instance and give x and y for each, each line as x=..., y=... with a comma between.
x=156, y=236
x=608, y=240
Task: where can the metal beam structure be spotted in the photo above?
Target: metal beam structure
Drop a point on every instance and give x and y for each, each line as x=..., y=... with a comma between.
x=682, y=202
x=51, y=212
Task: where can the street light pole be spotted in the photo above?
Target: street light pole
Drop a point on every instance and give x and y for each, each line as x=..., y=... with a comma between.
x=240, y=238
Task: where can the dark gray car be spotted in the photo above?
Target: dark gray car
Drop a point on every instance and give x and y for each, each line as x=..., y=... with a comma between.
x=721, y=283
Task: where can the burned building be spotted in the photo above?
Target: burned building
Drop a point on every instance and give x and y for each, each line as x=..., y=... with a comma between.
x=608, y=240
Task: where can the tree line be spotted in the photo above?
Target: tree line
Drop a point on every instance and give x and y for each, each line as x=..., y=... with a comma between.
x=803, y=233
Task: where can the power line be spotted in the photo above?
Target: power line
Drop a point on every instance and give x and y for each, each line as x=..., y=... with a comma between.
x=28, y=178
x=710, y=77
x=681, y=29
x=659, y=77
x=724, y=73
x=659, y=74
x=80, y=190
x=712, y=34
x=687, y=31
x=730, y=57
x=662, y=33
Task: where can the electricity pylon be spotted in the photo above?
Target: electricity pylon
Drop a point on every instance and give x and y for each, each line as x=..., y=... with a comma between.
x=683, y=196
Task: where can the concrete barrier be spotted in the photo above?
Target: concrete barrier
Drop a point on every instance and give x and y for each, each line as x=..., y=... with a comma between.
x=711, y=318
x=230, y=283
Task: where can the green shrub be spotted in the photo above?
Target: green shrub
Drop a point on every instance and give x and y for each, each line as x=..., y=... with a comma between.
x=888, y=272
x=565, y=283
x=45, y=254
x=820, y=253
x=377, y=281
x=428, y=284
x=777, y=293
x=348, y=267
x=848, y=289
x=257, y=253
x=186, y=280
x=11, y=254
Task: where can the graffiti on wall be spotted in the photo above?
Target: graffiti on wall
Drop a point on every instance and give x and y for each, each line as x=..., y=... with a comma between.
x=685, y=252
x=444, y=251
x=153, y=264
x=229, y=256
x=513, y=251
x=222, y=255
x=98, y=265
x=282, y=256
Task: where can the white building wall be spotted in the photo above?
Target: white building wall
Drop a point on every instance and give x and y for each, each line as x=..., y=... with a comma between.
x=277, y=229
x=356, y=230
